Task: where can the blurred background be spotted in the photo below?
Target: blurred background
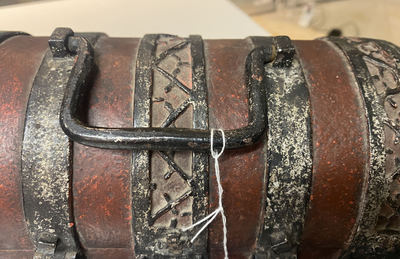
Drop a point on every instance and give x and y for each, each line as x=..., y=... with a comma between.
x=299, y=19
x=307, y=19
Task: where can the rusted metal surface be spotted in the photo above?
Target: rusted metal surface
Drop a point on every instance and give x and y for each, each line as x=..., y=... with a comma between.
x=46, y=156
x=340, y=151
x=242, y=171
x=20, y=59
x=102, y=182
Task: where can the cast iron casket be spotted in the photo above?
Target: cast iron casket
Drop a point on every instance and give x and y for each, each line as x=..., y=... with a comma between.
x=104, y=146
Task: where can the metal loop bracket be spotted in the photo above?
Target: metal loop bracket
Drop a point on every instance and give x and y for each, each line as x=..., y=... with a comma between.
x=63, y=42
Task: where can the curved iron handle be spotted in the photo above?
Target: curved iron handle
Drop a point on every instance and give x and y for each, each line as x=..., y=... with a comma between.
x=155, y=138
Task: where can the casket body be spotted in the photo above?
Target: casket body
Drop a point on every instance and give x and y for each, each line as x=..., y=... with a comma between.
x=322, y=181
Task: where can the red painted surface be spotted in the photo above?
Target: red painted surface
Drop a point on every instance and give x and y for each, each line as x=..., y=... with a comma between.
x=102, y=195
x=242, y=171
x=340, y=150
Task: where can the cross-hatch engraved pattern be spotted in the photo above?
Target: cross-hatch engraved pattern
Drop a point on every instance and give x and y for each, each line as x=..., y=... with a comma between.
x=384, y=70
x=171, y=172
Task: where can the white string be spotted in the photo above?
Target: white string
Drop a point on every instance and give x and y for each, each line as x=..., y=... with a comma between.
x=220, y=208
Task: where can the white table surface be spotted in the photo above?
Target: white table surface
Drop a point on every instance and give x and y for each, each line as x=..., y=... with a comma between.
x=132, y=18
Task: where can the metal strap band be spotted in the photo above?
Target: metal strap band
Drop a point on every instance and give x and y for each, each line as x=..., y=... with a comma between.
x=289, y=152
x=46, y=164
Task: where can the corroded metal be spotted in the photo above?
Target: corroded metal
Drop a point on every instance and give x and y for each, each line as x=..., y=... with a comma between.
x=46, y=156
x=289, y=154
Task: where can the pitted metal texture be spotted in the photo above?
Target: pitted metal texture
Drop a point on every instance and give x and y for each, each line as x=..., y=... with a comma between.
x=47, y=163
x=289, y=153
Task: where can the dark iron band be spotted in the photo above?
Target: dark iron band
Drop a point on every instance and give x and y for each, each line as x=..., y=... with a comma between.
x=289, y=153
x=46, y=164
x=158, y=138
x=47, y=161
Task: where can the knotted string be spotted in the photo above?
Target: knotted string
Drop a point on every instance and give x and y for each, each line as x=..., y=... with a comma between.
x=208, y=219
